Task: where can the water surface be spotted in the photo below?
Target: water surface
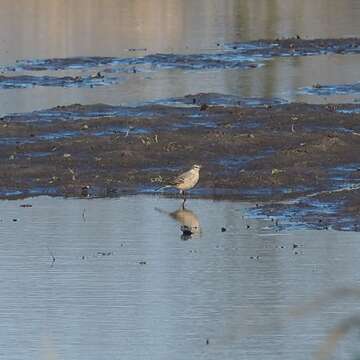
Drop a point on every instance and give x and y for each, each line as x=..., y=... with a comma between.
x=116, y=279
x=40, y=29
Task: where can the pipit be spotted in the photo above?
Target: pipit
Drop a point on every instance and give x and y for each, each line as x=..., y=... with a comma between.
x=185, y=181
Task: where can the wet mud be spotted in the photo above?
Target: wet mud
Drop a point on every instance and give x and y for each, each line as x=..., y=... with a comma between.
x=29, y=81
x=298, y=47
x=299, y=160
x=332, y=89
x=244, y=55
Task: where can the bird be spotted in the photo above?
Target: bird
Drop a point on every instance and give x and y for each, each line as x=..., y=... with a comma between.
x=185, y=181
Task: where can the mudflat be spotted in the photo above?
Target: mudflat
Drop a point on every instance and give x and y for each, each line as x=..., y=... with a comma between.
x=300, y=160
x=263, y=151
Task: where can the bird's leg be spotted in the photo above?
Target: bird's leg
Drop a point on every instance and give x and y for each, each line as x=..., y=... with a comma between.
x=183, y=204
x=184, y=195
x=182, y=192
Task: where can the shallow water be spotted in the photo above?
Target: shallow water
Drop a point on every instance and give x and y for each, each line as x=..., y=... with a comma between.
x=115, y=278
x=40, y=29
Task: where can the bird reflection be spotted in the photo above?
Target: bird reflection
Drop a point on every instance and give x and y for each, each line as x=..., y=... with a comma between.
x=190, y=224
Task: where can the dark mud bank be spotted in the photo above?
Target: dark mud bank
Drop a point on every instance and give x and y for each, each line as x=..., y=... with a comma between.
x=244, y=55
x=300, y=159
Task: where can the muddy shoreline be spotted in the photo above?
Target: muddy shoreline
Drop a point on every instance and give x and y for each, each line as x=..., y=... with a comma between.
x=243, y=55
x=271, y=153
x=299, y=160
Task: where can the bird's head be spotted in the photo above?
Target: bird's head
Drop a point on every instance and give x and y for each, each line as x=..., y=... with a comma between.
x=196, y=167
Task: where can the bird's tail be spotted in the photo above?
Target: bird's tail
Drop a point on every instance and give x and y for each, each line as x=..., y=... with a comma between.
x=163, y=187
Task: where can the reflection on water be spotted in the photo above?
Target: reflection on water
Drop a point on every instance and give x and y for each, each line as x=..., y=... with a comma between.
x=47, y=29
x=35, y=29
x=190, y=224
x=121, y=271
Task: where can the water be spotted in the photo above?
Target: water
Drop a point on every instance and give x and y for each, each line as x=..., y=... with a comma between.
x=40, y=29
x=115, y=279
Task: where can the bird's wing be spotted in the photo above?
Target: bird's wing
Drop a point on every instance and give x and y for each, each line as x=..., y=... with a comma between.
x=180, y=178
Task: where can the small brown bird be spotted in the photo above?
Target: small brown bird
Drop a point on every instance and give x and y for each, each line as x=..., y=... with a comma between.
x=186, y=180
